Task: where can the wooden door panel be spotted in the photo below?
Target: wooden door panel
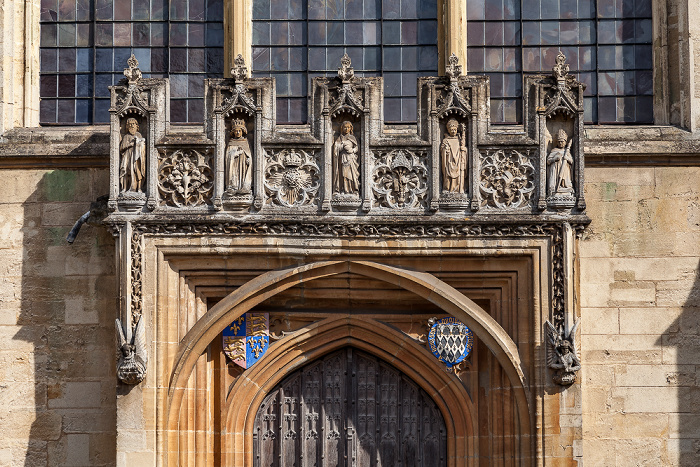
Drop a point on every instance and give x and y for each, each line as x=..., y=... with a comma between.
x=351, y=410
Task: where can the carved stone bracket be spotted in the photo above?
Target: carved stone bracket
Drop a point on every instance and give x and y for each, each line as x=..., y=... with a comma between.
x=562, y=356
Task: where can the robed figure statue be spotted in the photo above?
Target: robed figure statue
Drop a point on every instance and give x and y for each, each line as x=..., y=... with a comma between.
x=345, y=156
x=133, y=164
x=559, y=163
x=453, y=157
x=238, y=160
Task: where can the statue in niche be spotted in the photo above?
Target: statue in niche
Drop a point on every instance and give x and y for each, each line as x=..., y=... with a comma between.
x=238, y=160
x=347, y=172
x=133, y=164
x=559, y=163
x=453, y=155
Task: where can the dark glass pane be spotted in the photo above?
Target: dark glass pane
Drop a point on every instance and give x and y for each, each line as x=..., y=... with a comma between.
x=178, y=85
x=159, y=33
x=409, y=58
x=178, y=34
x=297, y=84
x=642, y=56
x=493, y=60
x=356, y=57
x=178, y=10
x=261, y=59
x=66, y=111
x=122, y=34
x=409, y=84
x=493, y=33
x=607, y=109
x=392, y=32
x=178, y=111
x=66, y=10
x=83, y=86
x=49, y=10
x=493, y=10
x=568, y=9
x=392, y=109
x=549, y=33
x=196, y=36
x=279, y=10
x=645, y=109
x=645, y=82
x=586, y=8
x=103, y=34
x=159, y=60
x=195, y=111
x=195, y=60
x=511, y=59
x=549, y=9
x=372, y=58
x=261, y=33
x=392, y=84
x=47, y=86
x=409, y=32
x=144, y=58
x=372, y=9
x=101, y=111
x=475, y=34
x=279, y=57
x=215, y=10
x=122, y=10
x=49, y=59
x=353, y=33
x=297, y=34
x=142, y=33
x=47, y=111
x=141, y=10
x=102, y=83
x=215, y=34
x=531, y=9
x=282, y=84
x=66, y=60
x=496, y=84
x=49, y=35
x=427, y=9
x=103, y=59
x=82, y=111
x=643, y=30
x=196, y=12
x=178, y=60
x=121, y=55
x=408, y=109
x=317, y=33
x=475, y=9
x=511, y=9
x=568, y=32
x=642, y=8
x=83, y=35
x=261, y=9
x=335, y=33
x=354, y=9
x=391, y=9
x=297, y=59
x=392, y=59
x=159, y=9
x=531, y=33
x=283, y=110
x=215, y=60
x=103, y=10
x=83, y=60
x=475, y=59
x=297, y=9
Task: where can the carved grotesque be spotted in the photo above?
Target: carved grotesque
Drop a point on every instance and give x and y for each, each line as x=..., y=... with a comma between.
x=559, y=162
x=238, y=160
x=453, y=158
x=132, y=147
x=345, y=157
x=561, y=354
x=131, y=368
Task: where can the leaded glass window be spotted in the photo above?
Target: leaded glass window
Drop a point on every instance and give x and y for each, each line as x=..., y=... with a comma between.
x=297, y=40
x=607, y=44
x=85, y=45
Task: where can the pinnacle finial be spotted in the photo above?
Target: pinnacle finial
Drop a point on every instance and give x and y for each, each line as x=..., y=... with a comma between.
x=132, y=73
x=453, y=70
x=239, y=71
x=561, y=69
x=346, y=71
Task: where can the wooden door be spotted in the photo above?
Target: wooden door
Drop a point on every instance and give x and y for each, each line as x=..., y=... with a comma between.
x=349, y=409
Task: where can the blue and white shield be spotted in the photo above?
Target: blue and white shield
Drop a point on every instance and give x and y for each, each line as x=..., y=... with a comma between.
x=450, y=341
x=246, y=339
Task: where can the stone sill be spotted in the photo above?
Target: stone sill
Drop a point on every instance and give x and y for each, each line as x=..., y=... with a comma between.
x=605, y=145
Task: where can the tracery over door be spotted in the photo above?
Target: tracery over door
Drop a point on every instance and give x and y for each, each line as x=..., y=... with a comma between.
x=349, y=409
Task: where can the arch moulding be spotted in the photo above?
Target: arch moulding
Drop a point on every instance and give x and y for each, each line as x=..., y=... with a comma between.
x=259, y=289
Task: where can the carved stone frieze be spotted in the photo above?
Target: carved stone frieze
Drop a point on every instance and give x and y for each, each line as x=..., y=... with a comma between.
x=185, y=178
x=507, y=179
x=400, y=179
x=292, y=178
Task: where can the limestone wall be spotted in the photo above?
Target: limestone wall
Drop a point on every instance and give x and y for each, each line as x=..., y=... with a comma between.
x=57, y=302
x=640, y=299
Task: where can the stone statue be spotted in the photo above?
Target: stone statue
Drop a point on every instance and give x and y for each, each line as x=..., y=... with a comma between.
x=238, y=160
x=453, y=157
x=133, y=164
x=561, y=354
x=559, y=163
x=347, y=173
x=131, y=368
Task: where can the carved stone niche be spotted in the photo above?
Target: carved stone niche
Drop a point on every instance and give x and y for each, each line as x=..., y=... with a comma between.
x=233, y=120
x=137, y=122
x=344, y=129
x=453, y=131
x=560, y=132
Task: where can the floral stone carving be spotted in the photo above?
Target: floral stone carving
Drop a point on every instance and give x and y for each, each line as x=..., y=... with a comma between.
x=185, y=178
x=507, y=179
x=400, y=180
x=291, y=178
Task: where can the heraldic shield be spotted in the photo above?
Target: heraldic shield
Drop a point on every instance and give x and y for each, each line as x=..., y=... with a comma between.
x=246, y=339
x=450, y=341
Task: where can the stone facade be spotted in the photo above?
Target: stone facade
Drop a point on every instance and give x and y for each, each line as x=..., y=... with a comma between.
x=631, y=276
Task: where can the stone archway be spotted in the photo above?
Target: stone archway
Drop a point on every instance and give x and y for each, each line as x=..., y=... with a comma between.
x=422, y=284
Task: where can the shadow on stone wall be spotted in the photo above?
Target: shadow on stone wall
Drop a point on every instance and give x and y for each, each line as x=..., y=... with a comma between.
x=66, y=320
x=681, y=346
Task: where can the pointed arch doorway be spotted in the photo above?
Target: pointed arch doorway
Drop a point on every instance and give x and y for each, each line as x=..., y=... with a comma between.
x=349, y=408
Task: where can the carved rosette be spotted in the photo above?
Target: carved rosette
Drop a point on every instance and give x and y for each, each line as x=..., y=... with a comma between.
x=400, y=180
x=507, y=179
x=185, y=178
x=291, y=178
